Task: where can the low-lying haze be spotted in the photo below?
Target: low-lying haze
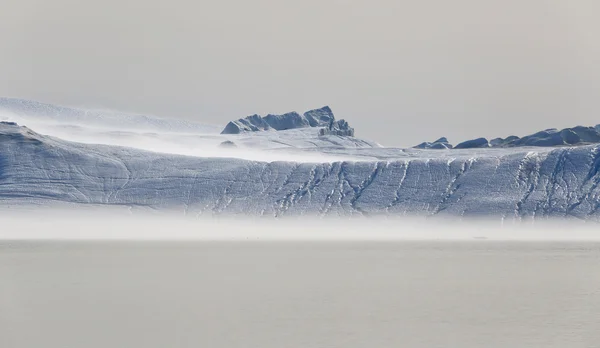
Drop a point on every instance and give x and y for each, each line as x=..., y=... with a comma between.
x=121, y=223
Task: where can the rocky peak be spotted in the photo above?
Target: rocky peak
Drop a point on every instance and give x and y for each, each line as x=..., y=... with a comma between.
x=322, y=117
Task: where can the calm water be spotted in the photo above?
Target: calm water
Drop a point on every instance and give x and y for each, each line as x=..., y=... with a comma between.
x=277, y=294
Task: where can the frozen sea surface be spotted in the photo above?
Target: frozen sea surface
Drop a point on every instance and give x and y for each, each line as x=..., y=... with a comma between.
x=299, y=294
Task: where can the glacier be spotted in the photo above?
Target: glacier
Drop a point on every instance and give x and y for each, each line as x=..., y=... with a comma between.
x=291, y=172
x=508, y=184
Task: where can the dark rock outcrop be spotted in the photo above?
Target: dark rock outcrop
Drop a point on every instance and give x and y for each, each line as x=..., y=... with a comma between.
x=228, y=144
x=500, y=142
x=550, y=137
x=568, y=136
x=340, y=127
x=322, y=117
x=319, y=117
x=473, y=144
x=252, y=123
x=291, y=120
x=440, y=144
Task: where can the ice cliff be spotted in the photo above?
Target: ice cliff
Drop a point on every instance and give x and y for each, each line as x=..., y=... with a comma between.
x=504, y=183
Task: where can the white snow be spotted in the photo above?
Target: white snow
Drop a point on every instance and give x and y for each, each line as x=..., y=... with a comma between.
x=174, y=136
x=288, y=173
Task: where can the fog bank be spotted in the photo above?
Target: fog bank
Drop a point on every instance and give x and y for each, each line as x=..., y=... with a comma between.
x=105, y=224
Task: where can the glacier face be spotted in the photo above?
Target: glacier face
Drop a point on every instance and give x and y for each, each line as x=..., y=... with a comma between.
x=512, y=183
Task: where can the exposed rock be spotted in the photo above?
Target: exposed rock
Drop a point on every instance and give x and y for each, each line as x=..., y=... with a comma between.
x=440, y=144
x=322, y=117
x=340, y=127
x=473, y=144
x=568, y=136
x=503, y=142
x=550, y=137
x=252, y=123
x=228, y=144
x=290, y=120
x=319, y=117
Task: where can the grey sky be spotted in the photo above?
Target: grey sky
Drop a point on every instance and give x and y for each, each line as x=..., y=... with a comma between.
x=399, y=71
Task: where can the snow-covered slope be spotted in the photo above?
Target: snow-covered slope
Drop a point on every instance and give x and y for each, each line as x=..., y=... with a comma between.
x=37, y=114
x=504, y=183
x=178, y=137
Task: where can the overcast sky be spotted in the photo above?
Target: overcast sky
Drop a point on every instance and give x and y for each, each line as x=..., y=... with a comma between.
x=399, y=71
